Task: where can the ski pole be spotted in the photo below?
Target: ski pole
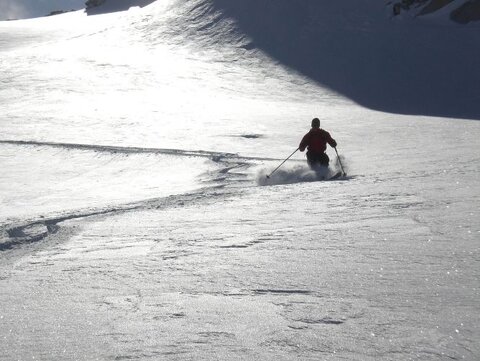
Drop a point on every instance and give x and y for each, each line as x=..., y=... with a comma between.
x=268, y=176
x=339, y=161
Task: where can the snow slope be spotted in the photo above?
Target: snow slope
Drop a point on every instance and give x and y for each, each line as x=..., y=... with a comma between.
x=404, y=65
x=137, y=224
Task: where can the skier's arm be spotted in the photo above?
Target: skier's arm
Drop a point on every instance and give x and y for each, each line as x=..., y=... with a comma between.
x=304, y=142
x=331, y=141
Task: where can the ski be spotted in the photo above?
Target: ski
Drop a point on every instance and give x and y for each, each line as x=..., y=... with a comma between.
x=335, y=176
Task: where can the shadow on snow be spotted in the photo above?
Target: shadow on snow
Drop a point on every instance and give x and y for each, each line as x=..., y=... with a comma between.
x=111, y=6
x=413, y=67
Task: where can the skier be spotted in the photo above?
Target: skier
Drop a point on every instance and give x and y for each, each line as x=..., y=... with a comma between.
x=316, y=143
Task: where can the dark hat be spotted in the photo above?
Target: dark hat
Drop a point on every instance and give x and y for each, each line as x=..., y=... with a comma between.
x=315, y=123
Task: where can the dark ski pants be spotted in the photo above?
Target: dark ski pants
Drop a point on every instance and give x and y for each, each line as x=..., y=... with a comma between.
x=317, y=159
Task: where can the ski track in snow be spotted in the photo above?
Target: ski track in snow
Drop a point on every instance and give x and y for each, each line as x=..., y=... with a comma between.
x=136, y=150
x=34, y=230
x=138, y=222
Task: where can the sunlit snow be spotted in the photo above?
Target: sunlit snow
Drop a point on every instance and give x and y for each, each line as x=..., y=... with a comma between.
x=138, y=222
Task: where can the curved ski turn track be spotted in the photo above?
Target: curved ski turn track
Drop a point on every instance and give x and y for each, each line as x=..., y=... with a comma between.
x=137, y=222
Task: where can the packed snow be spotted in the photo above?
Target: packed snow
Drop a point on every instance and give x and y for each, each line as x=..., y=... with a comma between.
x=137, y=220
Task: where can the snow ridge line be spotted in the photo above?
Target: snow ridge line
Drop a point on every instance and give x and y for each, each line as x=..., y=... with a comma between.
x=120, y=149
x=216, y=156
x=31, y=231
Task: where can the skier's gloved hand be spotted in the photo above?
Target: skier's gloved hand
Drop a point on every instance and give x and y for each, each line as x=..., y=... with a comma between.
x=334, y=144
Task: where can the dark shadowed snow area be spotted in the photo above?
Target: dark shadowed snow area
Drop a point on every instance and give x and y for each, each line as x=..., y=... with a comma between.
x=415, y=66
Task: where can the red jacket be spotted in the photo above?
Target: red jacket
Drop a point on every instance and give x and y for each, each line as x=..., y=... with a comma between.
x=316, y=140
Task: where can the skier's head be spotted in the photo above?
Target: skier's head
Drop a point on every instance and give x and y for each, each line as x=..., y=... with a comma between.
x=315, y=123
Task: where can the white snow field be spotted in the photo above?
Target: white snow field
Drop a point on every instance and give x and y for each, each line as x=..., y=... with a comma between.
x=136, y=219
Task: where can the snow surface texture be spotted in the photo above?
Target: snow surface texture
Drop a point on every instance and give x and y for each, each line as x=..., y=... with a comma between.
x=136, y=218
